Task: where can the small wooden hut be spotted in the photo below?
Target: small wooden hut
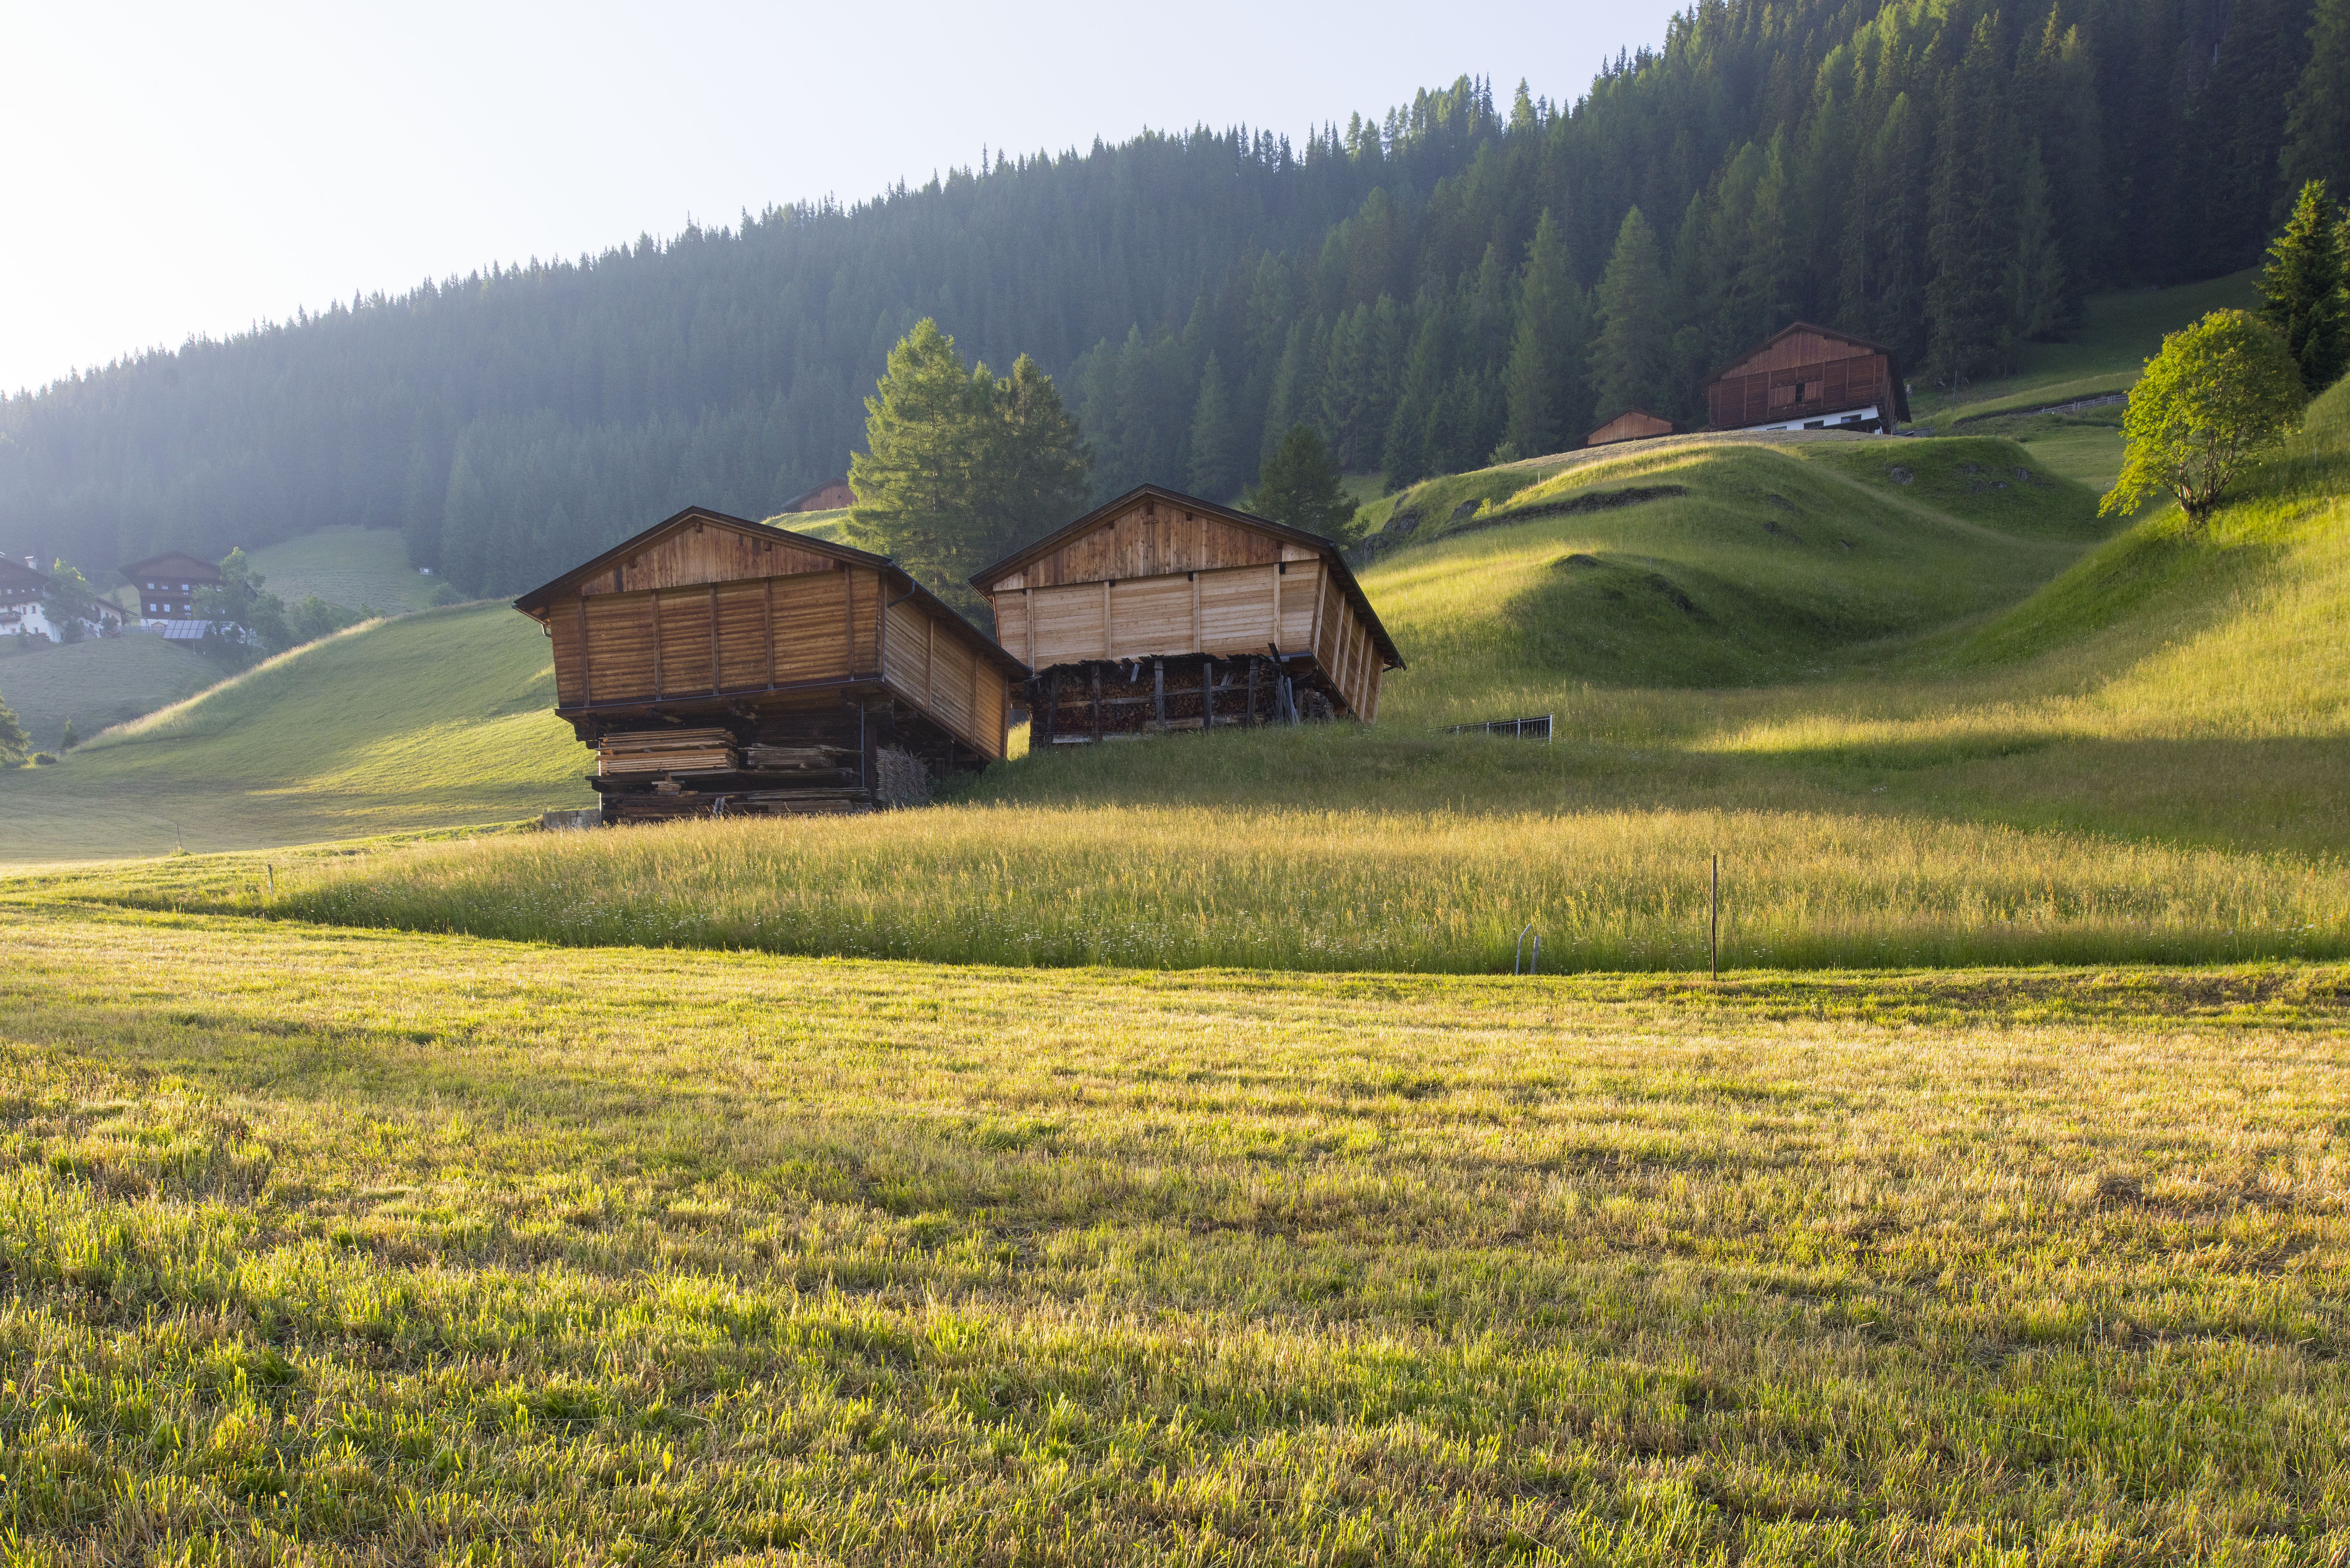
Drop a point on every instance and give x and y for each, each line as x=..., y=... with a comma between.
x=1161, y=611
x=1810, y=377
x=721, y=666
x=830, y=496
x=1632, y=425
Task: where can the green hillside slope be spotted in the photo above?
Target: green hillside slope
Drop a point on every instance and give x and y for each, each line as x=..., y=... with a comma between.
x=433, y=720
x=97, y=682
x=357, y=568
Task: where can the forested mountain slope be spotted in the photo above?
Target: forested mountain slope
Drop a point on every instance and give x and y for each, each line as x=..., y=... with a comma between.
x=1940, y=174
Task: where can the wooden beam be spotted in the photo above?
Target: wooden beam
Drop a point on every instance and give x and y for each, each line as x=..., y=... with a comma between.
x=587, y=682
x=1159, y=691
x=714, y=639
x=1098, y=699
x=1028, y=603
x=848, y=617
x=657, y=641
x=1199, y=644
x=769, y=584
x=1105, y=652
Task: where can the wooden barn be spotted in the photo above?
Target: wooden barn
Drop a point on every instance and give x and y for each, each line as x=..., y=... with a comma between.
x=1161, y=611
x=830, y=496
x=722, y=667
x=1810, y=377
x=1632, y=425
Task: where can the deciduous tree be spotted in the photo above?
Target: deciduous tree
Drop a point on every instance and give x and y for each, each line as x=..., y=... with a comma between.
x=2219, y=394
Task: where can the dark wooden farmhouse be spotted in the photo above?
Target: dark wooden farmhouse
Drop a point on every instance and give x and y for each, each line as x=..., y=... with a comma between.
x=1163, y=611
x=22, y=588
x=1810, y=377
x=167, y=584
x=830, y=496
x=1632, y=425
x=722, y=667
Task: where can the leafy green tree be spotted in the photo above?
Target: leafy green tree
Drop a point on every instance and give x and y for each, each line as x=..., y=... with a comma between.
x=1300, y=486
x=246, y=620
x=1631, y=354
x=2219, y=394
x=960, y=467
x=67, y=601
x=14, y=744
x=2302, y=289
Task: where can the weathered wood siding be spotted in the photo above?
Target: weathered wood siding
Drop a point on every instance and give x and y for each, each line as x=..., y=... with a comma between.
x=752, y=636
x=705, y=553
x=928, y=662
x=1630, y=425
x=1802, y=376
x=1159, y=579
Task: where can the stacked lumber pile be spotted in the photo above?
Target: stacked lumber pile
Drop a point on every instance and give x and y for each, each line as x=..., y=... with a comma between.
x=666, y=752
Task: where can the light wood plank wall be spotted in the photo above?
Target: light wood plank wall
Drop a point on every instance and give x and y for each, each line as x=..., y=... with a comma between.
x=1157, y=580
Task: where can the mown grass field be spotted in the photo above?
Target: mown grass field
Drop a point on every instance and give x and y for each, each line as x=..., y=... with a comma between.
x=357, y=568
x=337, y=1246
x=1972, y=734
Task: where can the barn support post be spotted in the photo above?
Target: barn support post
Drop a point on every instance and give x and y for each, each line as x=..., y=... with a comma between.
x=1098, y=699
x=1052, y=707
x=1250, y=720
x=1159, y=692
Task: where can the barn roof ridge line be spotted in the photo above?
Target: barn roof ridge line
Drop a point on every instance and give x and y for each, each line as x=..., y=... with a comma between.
x=540, y=597
x=128, y=567
x=1329, y=549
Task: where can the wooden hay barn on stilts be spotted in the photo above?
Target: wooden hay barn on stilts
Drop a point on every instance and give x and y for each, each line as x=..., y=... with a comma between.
x=721, y=666
x=1810, y=377
x=1160, y=611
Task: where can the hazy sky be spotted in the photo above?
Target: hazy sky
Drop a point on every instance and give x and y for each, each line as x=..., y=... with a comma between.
x=175, y=169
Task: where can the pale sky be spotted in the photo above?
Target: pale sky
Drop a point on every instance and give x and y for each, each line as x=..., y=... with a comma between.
x=174, y=170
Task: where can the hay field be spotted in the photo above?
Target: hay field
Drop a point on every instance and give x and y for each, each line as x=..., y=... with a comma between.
x=349, y=1247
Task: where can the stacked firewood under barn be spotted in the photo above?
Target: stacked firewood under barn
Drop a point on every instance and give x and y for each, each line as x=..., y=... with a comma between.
x=810, y=769
x=1101, y=699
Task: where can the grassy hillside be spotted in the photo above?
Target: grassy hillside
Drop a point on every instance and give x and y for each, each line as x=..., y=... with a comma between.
x=431, y=719
x=97, y=682
x=384, y=1242
x=357, y=568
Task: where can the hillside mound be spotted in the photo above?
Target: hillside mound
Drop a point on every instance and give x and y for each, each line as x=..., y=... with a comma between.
x=1712, y=562
x=437, y=718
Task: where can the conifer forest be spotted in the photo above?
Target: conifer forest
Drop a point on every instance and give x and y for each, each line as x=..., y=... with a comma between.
x=1481, y=272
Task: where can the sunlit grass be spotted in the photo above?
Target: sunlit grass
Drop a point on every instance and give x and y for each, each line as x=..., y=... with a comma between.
x=345, y=1247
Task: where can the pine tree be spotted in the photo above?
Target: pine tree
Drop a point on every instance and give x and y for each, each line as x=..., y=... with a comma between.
x=1300, y=486
x=961, y=468
x=1631, y=352
x=1970, y=233
x=913, y=480
x=2302, y=289
x=1543, y=382
x=1215, y=457
x=2036, y=279
x=2317, y=124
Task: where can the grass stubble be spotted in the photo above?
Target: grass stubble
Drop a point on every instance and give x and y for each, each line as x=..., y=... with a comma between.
x=330, y=1246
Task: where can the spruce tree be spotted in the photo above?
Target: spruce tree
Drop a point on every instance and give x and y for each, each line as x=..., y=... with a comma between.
x=1544, y=381
x=1632, y=348
x=1215, y=458
x=913, y=480
x=2302, y=289
x=2037, y=278
x=1970, y=231
x=2317, y=124
x=1300, y=486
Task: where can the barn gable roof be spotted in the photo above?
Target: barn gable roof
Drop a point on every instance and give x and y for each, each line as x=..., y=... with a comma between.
x=1865, y=345
x=173, y=564
x=1109, y=512
x=1609, y=424
x=538, y=600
